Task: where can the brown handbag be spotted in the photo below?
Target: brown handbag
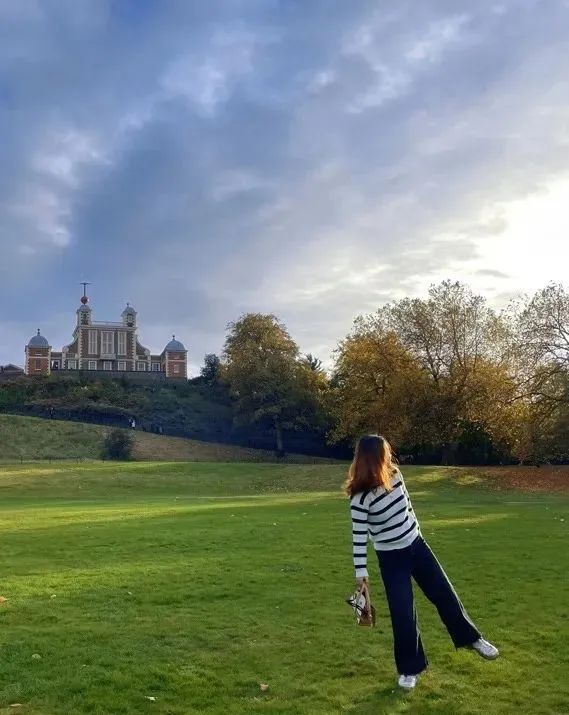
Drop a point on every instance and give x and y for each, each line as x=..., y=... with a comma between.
x=361, y=604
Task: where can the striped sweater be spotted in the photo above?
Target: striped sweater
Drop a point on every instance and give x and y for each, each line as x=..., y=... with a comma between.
x=387, y=518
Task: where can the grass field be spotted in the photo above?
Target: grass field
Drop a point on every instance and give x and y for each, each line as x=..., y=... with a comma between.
x=195, y=583
x=30, y=438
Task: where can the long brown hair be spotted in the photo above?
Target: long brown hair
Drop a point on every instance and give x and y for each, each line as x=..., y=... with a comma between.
x=372, y=467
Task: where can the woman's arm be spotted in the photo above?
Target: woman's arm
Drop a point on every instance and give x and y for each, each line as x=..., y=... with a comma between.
x=359, y=509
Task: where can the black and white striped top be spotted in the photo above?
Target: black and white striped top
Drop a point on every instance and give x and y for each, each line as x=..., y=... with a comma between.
x=387, y=518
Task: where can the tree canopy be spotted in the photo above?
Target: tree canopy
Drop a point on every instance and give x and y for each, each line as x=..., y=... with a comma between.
x=267, y=377
x=433, y=372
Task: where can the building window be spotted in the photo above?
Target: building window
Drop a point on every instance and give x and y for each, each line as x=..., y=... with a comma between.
x=38, y=364
x=155, y=367
x=72, y=364
x=108, y=342
x=141, y=366
x=107, y=365
x=121, y=343
x=55, y=365
x=92, y=364
x=176, y=368
x=121, y=366
x=92, y=342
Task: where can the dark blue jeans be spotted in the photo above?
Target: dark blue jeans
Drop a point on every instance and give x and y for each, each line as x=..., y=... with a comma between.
x=418, y=561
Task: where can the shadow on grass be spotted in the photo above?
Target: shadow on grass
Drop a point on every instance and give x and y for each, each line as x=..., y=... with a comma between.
x=55, y=518
x=71, y=558
x=96, y=512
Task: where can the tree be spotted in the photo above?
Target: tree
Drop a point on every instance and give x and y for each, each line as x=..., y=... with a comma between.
x=544, y=433
x=210, y=371
x=117, y=445
x=544, y=326
x=431, y=372
x=377, y=386
x=458, y=340
x=542, y=341
x=541, y=345
x=450, y=331
x=492, y=409
x=267, y=380
x=313, y=363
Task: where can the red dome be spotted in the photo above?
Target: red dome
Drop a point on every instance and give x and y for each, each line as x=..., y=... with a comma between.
x=84, y=299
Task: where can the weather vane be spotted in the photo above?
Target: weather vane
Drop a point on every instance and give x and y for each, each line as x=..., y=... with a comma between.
x=84, y=298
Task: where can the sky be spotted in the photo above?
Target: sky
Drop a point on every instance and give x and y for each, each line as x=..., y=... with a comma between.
x=314, y=159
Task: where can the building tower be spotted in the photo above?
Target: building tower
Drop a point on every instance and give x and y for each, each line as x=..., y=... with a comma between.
x=175, y=359
x=129, y=316
x=38, y=355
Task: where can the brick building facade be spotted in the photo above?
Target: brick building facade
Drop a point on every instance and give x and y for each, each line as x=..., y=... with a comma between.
x=110, y=347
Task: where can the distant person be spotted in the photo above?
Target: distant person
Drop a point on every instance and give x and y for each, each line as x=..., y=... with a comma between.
x=132, y=423
x=381, y=510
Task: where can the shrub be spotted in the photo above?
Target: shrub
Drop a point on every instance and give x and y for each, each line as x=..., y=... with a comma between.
x=118, y=445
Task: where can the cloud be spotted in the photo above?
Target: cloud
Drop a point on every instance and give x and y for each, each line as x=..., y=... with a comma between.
x=492, y=273
x=309, y=159
x=397, y=67
x=207, y=74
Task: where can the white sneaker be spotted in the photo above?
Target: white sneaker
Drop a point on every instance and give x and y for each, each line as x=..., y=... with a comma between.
x=485, y=649
x=407, y=681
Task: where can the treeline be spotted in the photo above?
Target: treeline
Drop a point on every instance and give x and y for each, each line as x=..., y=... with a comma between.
x=198, y=409
x=447, y=378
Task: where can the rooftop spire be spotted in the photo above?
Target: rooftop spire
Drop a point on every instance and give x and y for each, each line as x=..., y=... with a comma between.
x=84, y=298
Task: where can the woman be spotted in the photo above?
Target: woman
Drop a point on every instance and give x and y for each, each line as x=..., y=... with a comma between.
x=381, y=509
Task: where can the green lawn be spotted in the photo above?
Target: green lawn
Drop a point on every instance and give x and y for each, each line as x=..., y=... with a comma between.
x=195, y=583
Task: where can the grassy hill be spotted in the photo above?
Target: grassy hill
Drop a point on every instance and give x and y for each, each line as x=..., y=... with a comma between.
x=30, y=438
x=184, y=409
x=180, y=588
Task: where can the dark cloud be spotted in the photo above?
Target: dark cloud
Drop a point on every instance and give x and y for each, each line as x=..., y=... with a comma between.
x=312, y=159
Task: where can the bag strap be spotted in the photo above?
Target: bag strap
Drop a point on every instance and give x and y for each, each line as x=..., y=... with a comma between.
x=364, y=591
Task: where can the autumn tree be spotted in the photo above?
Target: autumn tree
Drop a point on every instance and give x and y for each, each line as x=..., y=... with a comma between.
x=463, y=345
x=434, y=371
x=544, y=436
x=378, y=386
x=268, y=380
